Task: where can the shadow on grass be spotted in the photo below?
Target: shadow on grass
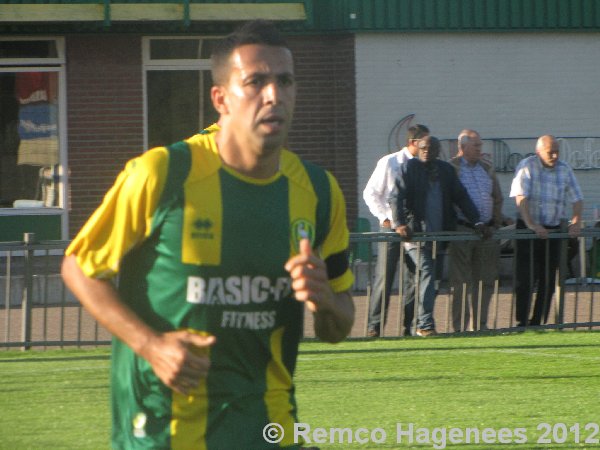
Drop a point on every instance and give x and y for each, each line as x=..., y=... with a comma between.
x=75, y=387
x=507, y=379
x=441, y=340
x=440, y=349
x=35, y=359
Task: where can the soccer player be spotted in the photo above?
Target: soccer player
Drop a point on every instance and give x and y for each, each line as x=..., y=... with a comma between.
x=219, y=241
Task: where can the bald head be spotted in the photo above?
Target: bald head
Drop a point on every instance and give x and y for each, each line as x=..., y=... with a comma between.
x=547, y=150
x=546, y=140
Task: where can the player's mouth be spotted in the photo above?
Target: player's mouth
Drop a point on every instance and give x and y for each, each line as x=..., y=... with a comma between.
x=272, y=122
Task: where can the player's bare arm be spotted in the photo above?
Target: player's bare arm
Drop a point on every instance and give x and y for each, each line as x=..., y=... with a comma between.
x=333, y=312
x=171, y=355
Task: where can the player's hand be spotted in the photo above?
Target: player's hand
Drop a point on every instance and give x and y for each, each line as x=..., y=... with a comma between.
x=309, y=278
x=179, y=358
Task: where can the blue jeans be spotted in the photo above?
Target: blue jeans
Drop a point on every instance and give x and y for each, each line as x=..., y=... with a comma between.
x=385, y=272
x=422, y=257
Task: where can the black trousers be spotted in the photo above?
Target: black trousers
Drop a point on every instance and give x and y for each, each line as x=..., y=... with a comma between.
x=536, y=264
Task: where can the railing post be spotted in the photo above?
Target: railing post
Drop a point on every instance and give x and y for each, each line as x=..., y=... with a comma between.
x=562, y=272
x=27, y=296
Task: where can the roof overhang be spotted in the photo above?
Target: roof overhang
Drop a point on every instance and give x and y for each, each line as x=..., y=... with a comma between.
x=187, y=12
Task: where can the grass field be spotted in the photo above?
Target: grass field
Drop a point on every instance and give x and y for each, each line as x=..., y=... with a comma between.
x=510, y=385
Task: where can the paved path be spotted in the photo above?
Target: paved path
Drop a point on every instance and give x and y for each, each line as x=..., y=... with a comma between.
x=74, y=324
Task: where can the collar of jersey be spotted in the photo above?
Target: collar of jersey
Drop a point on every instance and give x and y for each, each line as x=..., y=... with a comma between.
x=251, y=180
x=234, y=173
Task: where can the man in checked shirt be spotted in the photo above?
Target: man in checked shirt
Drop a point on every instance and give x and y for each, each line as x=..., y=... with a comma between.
x=543, y=187
x=475, y=262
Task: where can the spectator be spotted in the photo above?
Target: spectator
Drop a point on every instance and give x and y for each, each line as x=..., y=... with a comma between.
x=475, y=262
x=543, y=187
x=376, y=196
x=426, y=192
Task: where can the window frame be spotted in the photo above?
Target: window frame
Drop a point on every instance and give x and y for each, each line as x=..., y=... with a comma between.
x=149, y=64
x=56, y=65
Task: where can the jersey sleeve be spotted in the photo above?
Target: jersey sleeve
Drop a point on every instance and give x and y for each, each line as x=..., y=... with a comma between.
x=124, y=217
x=335, y=246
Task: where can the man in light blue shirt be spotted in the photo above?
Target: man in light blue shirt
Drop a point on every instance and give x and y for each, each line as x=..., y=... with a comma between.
x=475, y=262
x=543, y=188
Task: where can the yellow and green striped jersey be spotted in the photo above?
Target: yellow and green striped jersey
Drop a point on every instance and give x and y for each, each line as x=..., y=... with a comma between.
x=202, y=247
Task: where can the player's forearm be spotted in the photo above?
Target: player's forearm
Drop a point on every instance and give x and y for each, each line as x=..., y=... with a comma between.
x=334, y=323
x=101, y=300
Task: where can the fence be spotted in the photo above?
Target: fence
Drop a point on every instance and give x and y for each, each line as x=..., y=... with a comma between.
x=36, y=309
x=573, y=305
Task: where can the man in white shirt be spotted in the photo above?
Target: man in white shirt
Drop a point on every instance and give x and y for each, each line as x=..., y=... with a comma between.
x=376, y=195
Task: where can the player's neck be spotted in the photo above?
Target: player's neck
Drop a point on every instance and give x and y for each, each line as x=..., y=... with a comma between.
x=251, y=162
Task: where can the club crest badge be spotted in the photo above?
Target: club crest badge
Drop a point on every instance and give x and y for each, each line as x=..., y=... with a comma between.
x=139, y=425
x=302, y=228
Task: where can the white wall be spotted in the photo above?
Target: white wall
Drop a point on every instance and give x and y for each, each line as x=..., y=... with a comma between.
x=503, y=85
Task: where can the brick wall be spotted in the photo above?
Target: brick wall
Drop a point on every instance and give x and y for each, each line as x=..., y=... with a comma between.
x=324, y=129
x=105, y=112
x=104, y=116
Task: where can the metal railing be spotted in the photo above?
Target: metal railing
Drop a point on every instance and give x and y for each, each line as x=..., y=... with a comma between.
x=573, y=306
x=37, y=310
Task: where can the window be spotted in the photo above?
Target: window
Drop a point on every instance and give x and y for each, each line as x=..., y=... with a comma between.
x=31, y=124
x=177, y=88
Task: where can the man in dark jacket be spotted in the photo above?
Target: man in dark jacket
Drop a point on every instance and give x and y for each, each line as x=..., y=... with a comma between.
x=426, y=192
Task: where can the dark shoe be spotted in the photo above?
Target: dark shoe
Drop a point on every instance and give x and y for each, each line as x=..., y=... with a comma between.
x=426, y=333
x=373, y=333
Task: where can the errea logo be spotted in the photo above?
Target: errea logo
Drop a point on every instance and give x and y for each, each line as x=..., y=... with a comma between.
x=203, y=224
x=202, y=229
x=301, y=229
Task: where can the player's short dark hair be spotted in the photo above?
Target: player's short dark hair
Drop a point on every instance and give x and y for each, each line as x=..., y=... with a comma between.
x=258, y=31
x=417, y=131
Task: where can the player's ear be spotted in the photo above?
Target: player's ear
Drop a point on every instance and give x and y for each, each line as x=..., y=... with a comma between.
x=218, y=96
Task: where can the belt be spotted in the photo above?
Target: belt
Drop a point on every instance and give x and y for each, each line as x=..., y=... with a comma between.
x=521, y=224
x=464, y=223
